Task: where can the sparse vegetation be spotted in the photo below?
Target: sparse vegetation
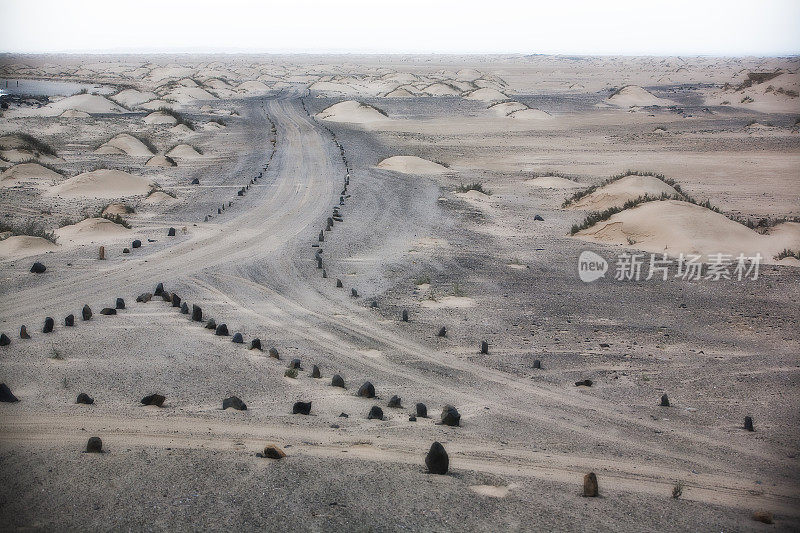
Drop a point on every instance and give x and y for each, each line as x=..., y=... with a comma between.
x=599, y=216
x=117, y=219
x=291, y=373
x=677, y=490
x=147, y=142
x=786, y=252
x=31, y=228
x=177, y=116
x=36, y=145
x=476, y=186
x=56, y=355
x=423, y=280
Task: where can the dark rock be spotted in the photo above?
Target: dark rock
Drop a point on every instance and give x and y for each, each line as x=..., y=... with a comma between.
x=321, y=236
x=95, y=445
x=375, y=413
x=337, y=381
x=484, y=347
x=344, y=415
x=154, y=399
x=197, y=313
x=159, y=290
x=412, y=418
x=373, y=304
x=273, y=352
x=86, y=312
x=664, y=400
x=69, y=321
x=324, y=273
x=442, y=332
x=422, y=410
x=367, y=390
x=295, y=363
x=234, y=403
x=171, y=232
x=764, y=517
x=221, y=331
x=108, y=311
x=6, y=395
x=255, y=344
x=49, y=324
x=125, y=251
x=339, y=284
x=85, y=399
x=195, y=182
x=301, y=408
x=604, y=345
x=23, y=333
x=354, y=293
x=144, y=297
x=211, y=324
x=136, y=244
x=38, y=268
x=450, y=416
x=5, y=340
x=590, y=488
x=167, y=297
x=315, y=373
x=437, y=460
x=395, y=402
x=537, y=363
x=538, y=217
x=273, y=452
x=584, y=383
x=748, y=423
x=175, y=299
x=405, y=315
x=237, y=338
x=184, y=308
x=120, y=303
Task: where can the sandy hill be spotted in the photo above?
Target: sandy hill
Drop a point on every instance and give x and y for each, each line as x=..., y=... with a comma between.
x=92, y=230
x=635, y=96
x=766, y=92
x=400, y=92
x=486, y=95
x=159, y=117
x=160, y=161
x=442, y=89
x=253, y=87
x=468, y=74
x=29, y=173
x=552, y=182
x=506, y=108
x=124, y=144
x=160, y=198
x=24, y=246
x=352, y=112
x=409, y=164
x=530, y=114
x=103, y=183
x=131, y=97
x=183, y=95
x=183, y=151
x=674, y=227
x=616, y=193
x=88, y=103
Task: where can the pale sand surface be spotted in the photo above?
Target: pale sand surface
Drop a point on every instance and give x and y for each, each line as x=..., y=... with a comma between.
x=248, y=199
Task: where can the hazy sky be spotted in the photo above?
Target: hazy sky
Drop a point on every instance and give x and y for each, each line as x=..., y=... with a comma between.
x=705, y=27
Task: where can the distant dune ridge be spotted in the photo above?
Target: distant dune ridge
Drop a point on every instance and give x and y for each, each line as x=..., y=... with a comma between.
x=103, y=183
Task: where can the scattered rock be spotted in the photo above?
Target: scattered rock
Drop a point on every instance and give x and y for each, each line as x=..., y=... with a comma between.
x=23, y=333
x=273, y=352
x=664, y=400
x=590, y=488
x=337, y=381
x=295, y=363
x=5, y=340
x=538, y=218
x=95, y=445
x=339, y=284
x=584, y=383
x=221, y=331
x=748, y=423
x=412, y=418
x=211, y=324
x=184, y=308
x=69, y=321
x=405, y=315
x=290, y=373
x=354, y=293
x=484, y=347
x=442, y=332
x=49, y=323
x=197, y=313
x=237, y=338
x=154, y=399
x=537, y=364
x=234, y=403
x=315, y=373
x=159, y=290
x=195, y=182
x=125, y=251
x=301, y=408
x=175, y=299
x=167, y=297
x=395, y=401
x=375, y=413
x=344, y=415
x=144, y=297
x=38, y=268
x=422, y=410
x=450, y=416
x=763, y=516
x=120, y=303
x=85, y=399
x=437, y=459
x=171, y=232
x=255, y=344
x=86, y=312
x=108, y=311
x=367, y=390
x=136, y=244
x=272, y=452
x=6, y=395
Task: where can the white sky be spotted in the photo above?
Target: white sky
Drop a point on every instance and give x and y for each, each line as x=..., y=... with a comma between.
x=601, y=27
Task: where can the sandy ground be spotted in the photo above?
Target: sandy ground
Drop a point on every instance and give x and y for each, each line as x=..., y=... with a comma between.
x=410, y=239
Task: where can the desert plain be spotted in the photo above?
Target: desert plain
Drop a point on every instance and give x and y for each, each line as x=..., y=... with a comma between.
x=415, y=222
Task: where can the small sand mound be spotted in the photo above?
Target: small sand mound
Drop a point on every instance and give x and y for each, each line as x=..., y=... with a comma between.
x=91, y=230
x=449, y=302
x=442, y=89
x=506, y=108
x=486, y=95
x=132, y=97
x=116, y=208
x=160, y=198
x=181, y=129
x=530, y=114
x=184, y=151
x=73, y=113
x=616, y=193
x=24, y=246
x=552, y=182
x=88, y=103
x=400, y=92
x=159, y=117
x=124, y=144
x=103, y=183
x=160, y=161
x=674, y=227
x=31, y=173
x=409, y=164
x=352, y=112
x=635, y=96
x=490, y=490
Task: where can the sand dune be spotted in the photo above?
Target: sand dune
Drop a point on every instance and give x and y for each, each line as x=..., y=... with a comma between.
x=400, y=92
x=352, y=112
x=124, y=144
x=72, y=113
x=504, y=109
x=184, y=151
x=92, y=230
x=103, y=183
x=530, y=114
x=131, y=97
x=486, y=95
x=635, y=96
x=116, y=208
x=441, y=89
x=159, y=117
x=159, y=198
x=23, y=246
x=675, y=227
x=88, y=103
x=616, y=193
x=552, y=182
x=28, y=174
x=160, y=161
x=409, y=164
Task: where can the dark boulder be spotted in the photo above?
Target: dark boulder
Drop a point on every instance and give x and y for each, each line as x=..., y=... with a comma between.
x=120, y=303
x=367, y=390
x=450, y=416
x=395, y=402
x=272, y=452
x=136, y=244
x=126, y=251
x=49, y=324
x=354, y=293
x=255, y=344
x=301, y=408
x=6, y=395
x=159, y=290
x=211, y=324
x=484, y=347
x=584, y=383
x=85, y=399
x=221, y=331
x=295, y=363
x=590, y=488
x=23, y=333
x=184, y=308
x=765, y=517
x=5, y=340
x=315, y=373
x=197, y=313
x=175, y=299
x=273, y=352
x=404, y=316
x=95, y=445
x=234, y=403
x=195, y=182
x=412, y=418
x=442, y=332
x=375, y=413
x=86, y=312
x=69, y=321
x=337, y=381
x=422, y=410
x=154, y=399
x=437, y=459
x=144, y=297
x=237, y=338
x=339, y=284
x=38, y=268
x=171, y=232
x=664, y=400
x=108, y=311
x=537, y=364
x=167, y=297
x=538, y=218
x=748, y=423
